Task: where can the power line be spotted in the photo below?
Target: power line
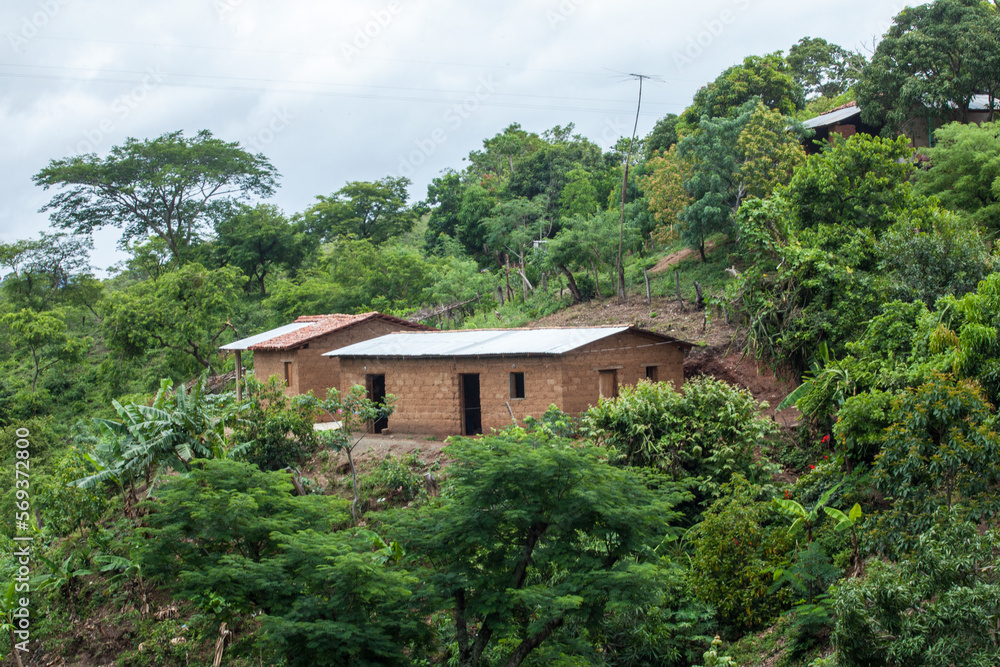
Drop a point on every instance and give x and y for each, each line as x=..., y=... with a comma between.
x=302, y=82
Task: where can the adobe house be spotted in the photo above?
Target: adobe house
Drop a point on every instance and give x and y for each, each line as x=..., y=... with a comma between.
x=468, y=382
x=294, y=352
x=845, y=120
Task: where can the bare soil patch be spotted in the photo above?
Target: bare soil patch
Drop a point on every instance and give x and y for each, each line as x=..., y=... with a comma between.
x=679, y=256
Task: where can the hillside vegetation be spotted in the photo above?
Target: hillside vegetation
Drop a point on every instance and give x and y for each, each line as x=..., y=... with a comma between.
x=165, y=522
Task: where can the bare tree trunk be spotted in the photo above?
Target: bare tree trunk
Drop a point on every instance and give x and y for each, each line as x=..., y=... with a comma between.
x=571, y=283
x=13, y=645
x=354, y=484
x=677, y=284
x=700, y=303
x=597, y=281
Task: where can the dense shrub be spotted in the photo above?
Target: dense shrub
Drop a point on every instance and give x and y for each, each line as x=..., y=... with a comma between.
x=712, y=430
x=734, y=552
x=275, y=431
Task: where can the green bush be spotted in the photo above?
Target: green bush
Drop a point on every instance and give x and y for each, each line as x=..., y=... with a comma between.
x=937, y=608
x=273, y=430
x=392, y=482
x=734, y=552
x=712, y=430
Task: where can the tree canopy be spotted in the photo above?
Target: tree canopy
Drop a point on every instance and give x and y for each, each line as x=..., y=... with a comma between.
x=165, y=187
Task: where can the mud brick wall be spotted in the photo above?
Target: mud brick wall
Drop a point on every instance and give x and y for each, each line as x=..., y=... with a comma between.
x=628, y=354
x=428, y=391
x=311, y=371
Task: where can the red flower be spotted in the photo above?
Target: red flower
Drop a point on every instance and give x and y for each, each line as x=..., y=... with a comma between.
x=812, y=467
x=786, y=494
x=826, y=439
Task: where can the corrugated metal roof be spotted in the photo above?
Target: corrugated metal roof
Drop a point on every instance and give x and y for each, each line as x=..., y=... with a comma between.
x=477, y=343
x=982, y=103
x=244, y=343
x=308, y=327
x=833, y=117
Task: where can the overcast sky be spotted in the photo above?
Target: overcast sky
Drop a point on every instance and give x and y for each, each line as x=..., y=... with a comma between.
x=333, y=92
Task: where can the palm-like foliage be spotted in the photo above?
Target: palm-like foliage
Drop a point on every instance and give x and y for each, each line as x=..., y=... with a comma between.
x=179, y=426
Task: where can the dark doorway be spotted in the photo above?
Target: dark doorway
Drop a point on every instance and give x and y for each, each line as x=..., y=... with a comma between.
x=376, y=393
x=472, y=411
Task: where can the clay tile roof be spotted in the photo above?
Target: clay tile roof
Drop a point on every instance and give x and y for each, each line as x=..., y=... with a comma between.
x=321, y=325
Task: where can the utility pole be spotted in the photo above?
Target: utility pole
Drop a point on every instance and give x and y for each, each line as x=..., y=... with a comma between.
x=619, y=266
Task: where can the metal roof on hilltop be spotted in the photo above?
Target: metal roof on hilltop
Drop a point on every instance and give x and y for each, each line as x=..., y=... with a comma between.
x=834, y=116
x=487, y=342
x=308, y=327
x=245, y=343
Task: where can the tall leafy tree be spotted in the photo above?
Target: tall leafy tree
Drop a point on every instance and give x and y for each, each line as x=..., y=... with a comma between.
x=185, y=311
x=369, y=210
x=663, y=135
x=444, y=196
x=931, y=63
x=766, y=78
x=531, y=540
x=256, y=240
x=52, y=270
x=163, y=187
x=964, y=171
x=822, y=68
x=44, y=337
x=731, y=158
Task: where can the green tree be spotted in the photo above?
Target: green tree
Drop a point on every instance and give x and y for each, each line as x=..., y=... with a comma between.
x=765, y=78
x=932, y=253
x=274, y=430
x=931, y=63
x=375, y=211
x=942, y=449
x=964, y=171
x=255, y=240
x=53, y=270
x=937, y=607
x=822, y=68
x=663, y=136
x=214, y=529
x=731, y=158
x=164, y=187
x=45, y=338
x=709, y=431
x=532, y=538
x=511, y=229
x=862, y=181
x=444, y=196
x=185, y=311
x=734, y=551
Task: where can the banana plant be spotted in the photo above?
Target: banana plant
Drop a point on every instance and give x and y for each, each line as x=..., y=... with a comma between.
x=850, y=522
x=803, y=518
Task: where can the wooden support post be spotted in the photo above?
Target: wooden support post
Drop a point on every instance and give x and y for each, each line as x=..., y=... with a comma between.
x=677, y=283
x=239, y=376
x=646, y=276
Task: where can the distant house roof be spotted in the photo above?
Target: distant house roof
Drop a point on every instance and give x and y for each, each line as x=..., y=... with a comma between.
x=834, y=116
x=489, y=342
x=310, y=327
